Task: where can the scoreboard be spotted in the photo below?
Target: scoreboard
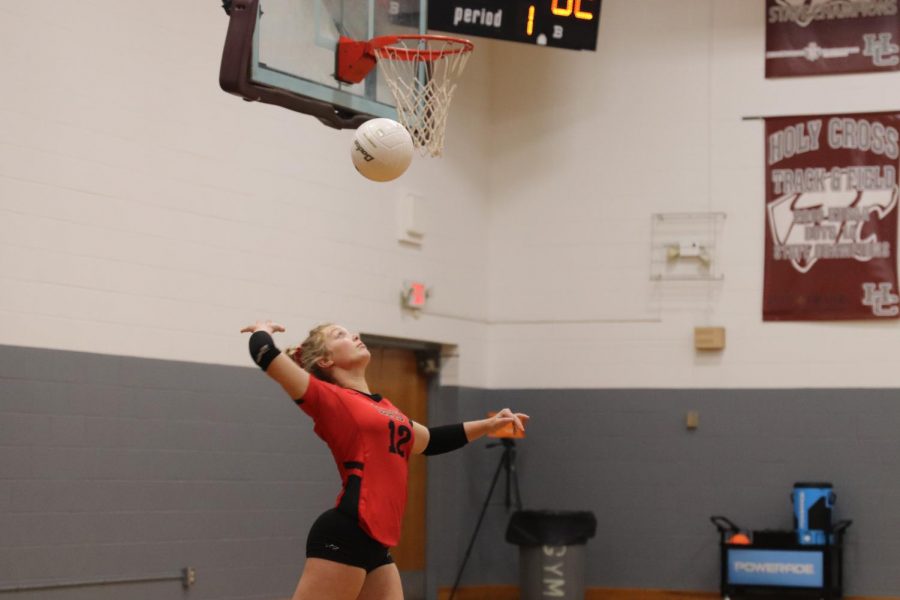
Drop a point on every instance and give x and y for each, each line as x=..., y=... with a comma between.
x=571, y=24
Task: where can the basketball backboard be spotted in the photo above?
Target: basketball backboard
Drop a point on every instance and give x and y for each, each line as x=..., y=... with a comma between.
x=283, y=52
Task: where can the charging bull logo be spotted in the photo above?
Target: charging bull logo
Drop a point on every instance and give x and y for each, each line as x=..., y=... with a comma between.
x=807, y=227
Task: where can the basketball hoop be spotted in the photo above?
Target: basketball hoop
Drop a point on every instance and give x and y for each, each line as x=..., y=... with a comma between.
x=421, y=72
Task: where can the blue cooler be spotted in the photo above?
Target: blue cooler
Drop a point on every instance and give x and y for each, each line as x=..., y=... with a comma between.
x=812, y=512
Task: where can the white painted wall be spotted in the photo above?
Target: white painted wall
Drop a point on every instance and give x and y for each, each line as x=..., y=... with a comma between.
x=147, y=213
x=598, y=142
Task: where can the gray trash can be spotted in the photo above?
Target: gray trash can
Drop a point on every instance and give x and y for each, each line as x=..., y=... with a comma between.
x=551, y=552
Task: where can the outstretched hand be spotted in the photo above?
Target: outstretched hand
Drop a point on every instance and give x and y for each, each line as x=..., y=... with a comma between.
x=505, y=417
x=269, y=326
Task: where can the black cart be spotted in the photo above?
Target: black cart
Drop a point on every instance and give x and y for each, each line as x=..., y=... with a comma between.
x=775, y=565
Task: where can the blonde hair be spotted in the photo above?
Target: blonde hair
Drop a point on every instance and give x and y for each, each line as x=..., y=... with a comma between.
x=311, y=351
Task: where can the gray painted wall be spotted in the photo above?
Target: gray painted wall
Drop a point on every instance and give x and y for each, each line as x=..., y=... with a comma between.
x=627, y=456
x=114, y=466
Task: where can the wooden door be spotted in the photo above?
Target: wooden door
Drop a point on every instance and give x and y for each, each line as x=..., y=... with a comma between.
x=394, y=374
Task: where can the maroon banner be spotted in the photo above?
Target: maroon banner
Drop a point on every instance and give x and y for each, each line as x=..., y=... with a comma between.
x=826, y=37
x=831, y=217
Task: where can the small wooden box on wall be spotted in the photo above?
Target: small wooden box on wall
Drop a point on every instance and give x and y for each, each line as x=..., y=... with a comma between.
x=709, y=338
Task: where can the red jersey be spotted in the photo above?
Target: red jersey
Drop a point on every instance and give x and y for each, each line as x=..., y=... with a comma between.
x=371, y=441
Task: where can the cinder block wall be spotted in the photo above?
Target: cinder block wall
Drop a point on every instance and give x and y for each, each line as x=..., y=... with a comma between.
x=116, y=467
x=627, y=456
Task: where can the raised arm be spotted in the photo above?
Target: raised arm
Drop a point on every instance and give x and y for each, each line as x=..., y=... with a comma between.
x=437, y=440
x=276, y=364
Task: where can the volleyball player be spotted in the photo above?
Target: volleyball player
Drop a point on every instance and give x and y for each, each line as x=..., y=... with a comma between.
x=347, y=548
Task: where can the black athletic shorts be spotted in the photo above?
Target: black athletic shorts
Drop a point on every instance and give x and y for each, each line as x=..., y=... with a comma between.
x=338, y=537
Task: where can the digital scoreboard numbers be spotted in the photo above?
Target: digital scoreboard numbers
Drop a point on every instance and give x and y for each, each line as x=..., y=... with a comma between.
x=571, y=24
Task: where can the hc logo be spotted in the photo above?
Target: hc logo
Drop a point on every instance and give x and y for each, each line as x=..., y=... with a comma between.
x=882, y=301
x=880, y=48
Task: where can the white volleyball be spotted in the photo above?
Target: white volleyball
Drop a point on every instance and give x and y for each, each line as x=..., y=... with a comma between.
x=382, y=149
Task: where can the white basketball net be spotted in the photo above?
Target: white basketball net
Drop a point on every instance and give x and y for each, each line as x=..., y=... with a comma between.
x=422, y=75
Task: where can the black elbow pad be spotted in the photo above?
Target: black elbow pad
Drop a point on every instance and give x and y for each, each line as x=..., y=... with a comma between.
x=445, y=438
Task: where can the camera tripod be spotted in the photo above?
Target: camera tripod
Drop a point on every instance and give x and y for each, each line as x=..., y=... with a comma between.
x=508, y=465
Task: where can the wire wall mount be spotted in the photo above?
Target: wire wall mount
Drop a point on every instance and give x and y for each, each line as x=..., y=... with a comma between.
x=685, y=246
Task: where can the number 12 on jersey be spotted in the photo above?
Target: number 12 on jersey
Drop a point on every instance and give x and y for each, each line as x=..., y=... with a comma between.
x=400, y=435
